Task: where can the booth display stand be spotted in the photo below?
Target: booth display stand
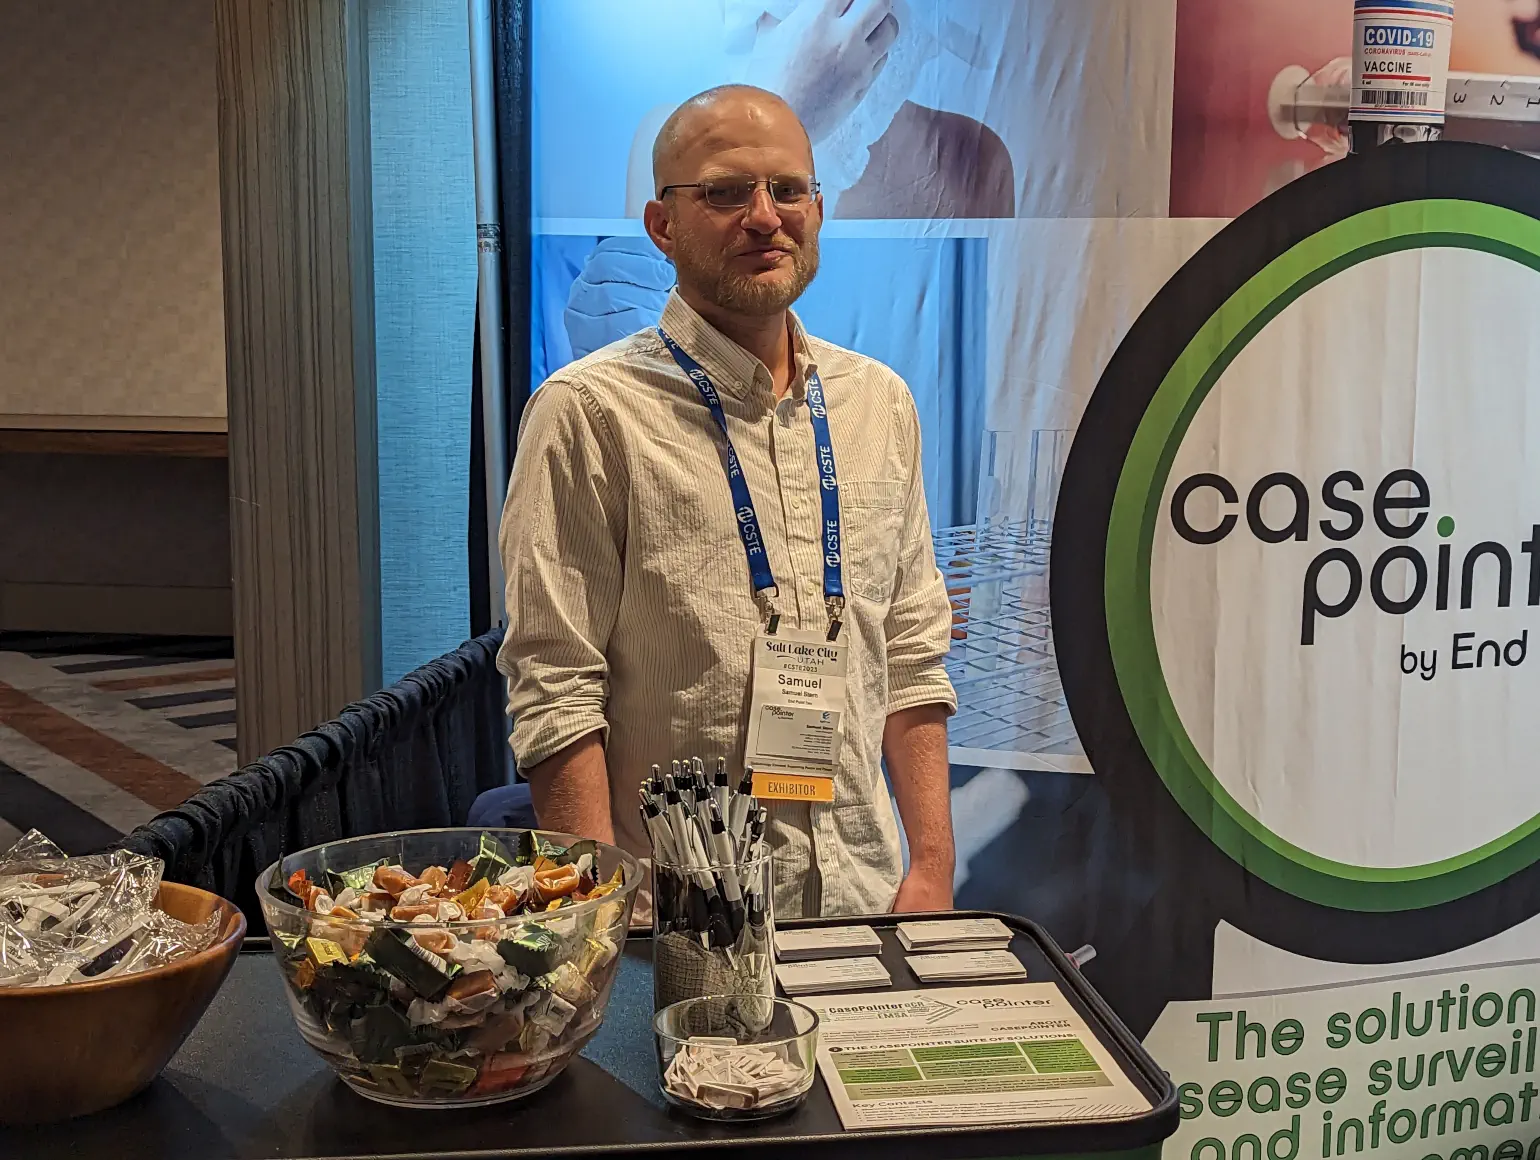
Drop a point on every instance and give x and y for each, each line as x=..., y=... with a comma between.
x=246, y=1085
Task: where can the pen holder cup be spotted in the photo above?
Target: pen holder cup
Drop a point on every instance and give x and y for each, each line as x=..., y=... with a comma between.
x=713, y=930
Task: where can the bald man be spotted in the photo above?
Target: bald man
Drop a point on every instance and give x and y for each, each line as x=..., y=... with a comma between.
x=717, y=544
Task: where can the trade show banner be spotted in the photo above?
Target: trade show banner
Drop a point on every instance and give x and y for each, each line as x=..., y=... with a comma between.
x=1230, y=450
x=1295, y=577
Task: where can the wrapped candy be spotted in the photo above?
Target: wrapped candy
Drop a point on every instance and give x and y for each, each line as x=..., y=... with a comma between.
x=492, y=860
x=551, y=1015
x=400, y=955
x=534, y=950
x=568, y=982
x=69, y=920
x=477, y=1003
x=443, y=1079
x=358, y=879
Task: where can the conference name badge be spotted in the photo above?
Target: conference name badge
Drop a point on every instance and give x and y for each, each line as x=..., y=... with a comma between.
x=796, y=715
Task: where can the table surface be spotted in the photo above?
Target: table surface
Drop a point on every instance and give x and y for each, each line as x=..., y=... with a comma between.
x=245, y=1085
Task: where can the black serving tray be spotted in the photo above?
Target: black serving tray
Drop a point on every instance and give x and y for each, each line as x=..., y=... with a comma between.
x=245, y=1086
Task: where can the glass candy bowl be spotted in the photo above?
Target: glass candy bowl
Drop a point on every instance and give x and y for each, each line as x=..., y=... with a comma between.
x=449, y=968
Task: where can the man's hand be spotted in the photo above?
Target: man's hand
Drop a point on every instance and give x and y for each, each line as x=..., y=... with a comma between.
x=924, y=889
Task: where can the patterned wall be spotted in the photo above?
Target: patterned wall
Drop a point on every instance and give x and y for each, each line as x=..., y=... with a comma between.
x=111, y=300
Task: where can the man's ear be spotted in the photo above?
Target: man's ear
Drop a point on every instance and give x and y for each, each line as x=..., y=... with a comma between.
x=660, y=229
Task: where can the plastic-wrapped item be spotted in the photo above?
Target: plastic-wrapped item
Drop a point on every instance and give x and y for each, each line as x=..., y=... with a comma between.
x=18, y=961
x=68, y=920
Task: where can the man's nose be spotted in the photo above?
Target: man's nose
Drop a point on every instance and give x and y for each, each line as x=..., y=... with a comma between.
x=760, y=214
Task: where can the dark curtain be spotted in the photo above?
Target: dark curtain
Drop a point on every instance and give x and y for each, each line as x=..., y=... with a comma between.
x=511, y=20
x=413, y=756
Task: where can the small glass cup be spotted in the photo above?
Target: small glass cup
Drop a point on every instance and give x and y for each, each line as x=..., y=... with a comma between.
x=736, y=1057
x=713, y=930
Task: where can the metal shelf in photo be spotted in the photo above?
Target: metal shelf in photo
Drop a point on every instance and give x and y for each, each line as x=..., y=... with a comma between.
x=985, y=553
x=1011, y=708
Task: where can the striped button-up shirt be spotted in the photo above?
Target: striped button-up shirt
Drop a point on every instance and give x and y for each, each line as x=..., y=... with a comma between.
x=631, y=612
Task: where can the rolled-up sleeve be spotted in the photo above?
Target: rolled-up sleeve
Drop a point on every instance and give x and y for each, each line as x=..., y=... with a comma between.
x=919, y=623
x=561, y=539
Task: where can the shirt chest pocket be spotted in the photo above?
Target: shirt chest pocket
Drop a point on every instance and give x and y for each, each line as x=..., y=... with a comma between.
x=872, y=520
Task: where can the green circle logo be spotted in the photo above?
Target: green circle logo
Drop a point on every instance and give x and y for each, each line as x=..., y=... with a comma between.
x=1137, y=503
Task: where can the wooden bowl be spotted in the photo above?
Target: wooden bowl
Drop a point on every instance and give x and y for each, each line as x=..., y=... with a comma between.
x=71, y=1050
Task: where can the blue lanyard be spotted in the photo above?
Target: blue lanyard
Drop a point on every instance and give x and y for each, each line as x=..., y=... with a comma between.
x=760, y=574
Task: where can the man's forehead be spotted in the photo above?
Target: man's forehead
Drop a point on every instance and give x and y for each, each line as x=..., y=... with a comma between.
x=739, y=135
x=723, y=156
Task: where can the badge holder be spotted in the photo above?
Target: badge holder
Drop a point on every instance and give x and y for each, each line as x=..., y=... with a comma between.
x=796, y=710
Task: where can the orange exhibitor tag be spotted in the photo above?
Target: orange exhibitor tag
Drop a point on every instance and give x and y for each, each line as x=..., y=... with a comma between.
x=793, y=787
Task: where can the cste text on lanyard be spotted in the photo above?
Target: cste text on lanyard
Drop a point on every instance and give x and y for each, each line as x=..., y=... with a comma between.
x=760, y=573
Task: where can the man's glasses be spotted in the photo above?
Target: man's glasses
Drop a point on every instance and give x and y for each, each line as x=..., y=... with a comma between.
x=789, y=191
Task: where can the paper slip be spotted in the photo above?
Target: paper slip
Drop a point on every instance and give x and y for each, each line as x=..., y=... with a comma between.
x=827, y=942
x=967, y=1055
x=955, y=934
x=719, y=1074
x=961, y=966
x=829, y=975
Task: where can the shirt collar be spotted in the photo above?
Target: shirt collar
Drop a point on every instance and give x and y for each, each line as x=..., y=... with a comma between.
x=734, y=370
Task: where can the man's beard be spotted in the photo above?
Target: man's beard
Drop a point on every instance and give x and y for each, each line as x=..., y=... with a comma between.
x=707, y=271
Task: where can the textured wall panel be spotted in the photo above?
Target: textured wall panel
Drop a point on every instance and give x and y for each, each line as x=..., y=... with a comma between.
x=425, y=314
x=110, y=310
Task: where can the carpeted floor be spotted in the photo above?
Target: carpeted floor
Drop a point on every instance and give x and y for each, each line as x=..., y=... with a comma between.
x=101, y=733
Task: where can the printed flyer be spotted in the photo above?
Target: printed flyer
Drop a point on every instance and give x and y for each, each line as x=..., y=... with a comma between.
x=966, y=1055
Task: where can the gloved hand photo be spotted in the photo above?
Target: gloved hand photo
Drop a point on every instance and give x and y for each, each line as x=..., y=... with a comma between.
x=623, y=287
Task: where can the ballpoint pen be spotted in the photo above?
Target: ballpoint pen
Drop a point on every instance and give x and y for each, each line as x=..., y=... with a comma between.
x=757, y=832
x=667, y=891
x=721, y=845
x=700, y=830
x=744, y=836
x=715, y=925
x=754, y=904
x=702, y=822
x=721, y=791
x=657, y=830
x=678, y=822
x=738, y=813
